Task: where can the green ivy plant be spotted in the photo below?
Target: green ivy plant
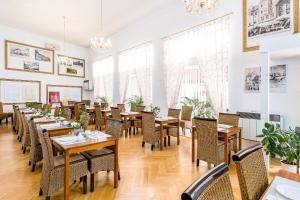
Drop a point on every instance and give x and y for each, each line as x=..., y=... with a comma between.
x=29, y=104
x=200, y=108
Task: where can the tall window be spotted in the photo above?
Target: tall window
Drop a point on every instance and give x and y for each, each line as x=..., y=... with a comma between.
x=103, y=78
x=135, y=72
x=196, y=64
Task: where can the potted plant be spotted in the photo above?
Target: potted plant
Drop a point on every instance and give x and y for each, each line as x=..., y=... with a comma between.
x=155, y=110
x=200, y=108
x=29, y=104
x=46, y=111
x=78, y=126
x=104, y=103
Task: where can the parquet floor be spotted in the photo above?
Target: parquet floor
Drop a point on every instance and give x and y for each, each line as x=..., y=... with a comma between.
x=145, y=174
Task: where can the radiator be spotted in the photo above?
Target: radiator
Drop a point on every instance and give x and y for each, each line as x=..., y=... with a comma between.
x=252, y=124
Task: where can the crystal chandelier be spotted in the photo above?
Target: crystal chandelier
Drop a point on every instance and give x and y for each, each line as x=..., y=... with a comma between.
x=63, y=59
x=200, y=6
x=100, y=42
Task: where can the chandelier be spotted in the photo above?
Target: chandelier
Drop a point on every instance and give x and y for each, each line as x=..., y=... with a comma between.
x=63, y=59
x=100, y=42
x=200, y=6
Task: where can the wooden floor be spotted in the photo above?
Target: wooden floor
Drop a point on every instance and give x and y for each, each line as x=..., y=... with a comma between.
x=145, y=174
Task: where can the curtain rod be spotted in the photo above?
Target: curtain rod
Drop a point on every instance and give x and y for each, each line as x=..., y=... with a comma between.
x=190, y=28
x=132, y=47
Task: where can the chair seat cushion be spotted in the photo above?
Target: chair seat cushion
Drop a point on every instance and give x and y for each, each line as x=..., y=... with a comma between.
x=97, y=153
x=60, y=160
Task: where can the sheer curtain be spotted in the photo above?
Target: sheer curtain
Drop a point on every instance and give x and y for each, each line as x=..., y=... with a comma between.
x=103, y=78
x=135, y=72
x=206, y=47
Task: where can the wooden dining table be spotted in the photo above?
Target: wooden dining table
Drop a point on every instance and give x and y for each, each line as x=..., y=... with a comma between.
x=224, y=133
x=87, y=145
x=56, y=130
x=164, y=121
x=129, y=115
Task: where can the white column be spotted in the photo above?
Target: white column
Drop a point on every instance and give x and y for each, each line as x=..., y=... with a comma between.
x=265, y=98
x=116, y=82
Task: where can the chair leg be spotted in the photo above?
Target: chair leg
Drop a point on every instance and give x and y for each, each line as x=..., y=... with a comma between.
x=84, y=184
x=165, y=142
x=143, y=144
x=33, y=168
x=119, y=176
x=169, y=140
x=40, y=192
x=29, y=163
x=24, y=150
x=22, y=147
x=152, y=147
x=198, y=162
x=92, y=182
x=47, y=197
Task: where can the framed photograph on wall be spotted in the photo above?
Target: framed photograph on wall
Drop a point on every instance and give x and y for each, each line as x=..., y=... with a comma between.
x=278, y=79
x=265, y=17
x=29, y=58
x=252, y=79
x=72, y=67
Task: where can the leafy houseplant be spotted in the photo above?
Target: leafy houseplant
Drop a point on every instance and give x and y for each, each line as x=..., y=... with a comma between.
x=29, y=104
x=200, y=108
x=46, y=111
x=155, y=110
x=103, y=102
x=137, y=100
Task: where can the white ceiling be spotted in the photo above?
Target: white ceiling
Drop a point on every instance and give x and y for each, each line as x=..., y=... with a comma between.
x=45, y=17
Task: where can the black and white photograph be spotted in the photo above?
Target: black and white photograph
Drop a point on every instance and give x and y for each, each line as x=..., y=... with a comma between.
x=28, y=58
x=19, y=51
x=252, y=79
x=78, y=63
x=268, y=16
x=41, y=55
x=31, y=66
x=278, y=79
x=72, y=67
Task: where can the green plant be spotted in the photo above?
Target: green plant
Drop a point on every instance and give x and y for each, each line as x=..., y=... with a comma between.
x=155, y=110
x=29, y=104
x=200, y=108
x=137, y=100
x=103, y=100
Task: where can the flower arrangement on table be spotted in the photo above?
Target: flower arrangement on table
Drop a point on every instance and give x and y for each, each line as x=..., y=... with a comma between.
x=155, y=110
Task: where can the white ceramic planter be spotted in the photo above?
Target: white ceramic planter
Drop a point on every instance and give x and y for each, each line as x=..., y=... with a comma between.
x=290, y=168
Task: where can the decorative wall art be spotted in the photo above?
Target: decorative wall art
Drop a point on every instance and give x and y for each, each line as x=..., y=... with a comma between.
x=264, y=17
x=252, y=79
x=24, y=57
x=278, y=79
x=63, y=93
x=74, y=67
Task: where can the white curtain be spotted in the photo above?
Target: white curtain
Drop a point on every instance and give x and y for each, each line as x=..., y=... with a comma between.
x=103, y=78
x=135, y=72
x=205, y=46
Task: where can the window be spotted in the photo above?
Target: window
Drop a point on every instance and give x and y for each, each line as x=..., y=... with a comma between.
x=135, y=72
x=196, y=64
x=103, y=78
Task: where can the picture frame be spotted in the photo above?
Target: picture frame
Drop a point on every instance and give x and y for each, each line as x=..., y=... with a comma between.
x=75, y=69
x=252, y=79
x=28, y=58
x=272, y=21
x=64, y=92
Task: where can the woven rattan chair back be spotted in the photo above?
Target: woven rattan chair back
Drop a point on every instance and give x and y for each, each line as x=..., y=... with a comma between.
x=1, y=107
x=116, y=113
x=148, y=124
x=77, y=111
x=26, y=135
x=207, y=139
x=86, y=102
x=186, y=113
x=172, y=112
x=85, y=117
x=82, y=107
x=121, y=107
x=252, y=172
x=14, y=116
x=48, y=161
x=114, y=127
x=20, y=124
x=67, y=113
x=229, y=119
x=133, y=107
x=140, y=108
x=98, y=117
x=71, y=102
x=34, y=137
x=214, y=185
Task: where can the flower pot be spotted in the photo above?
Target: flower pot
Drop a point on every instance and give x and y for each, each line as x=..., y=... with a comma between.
x=288, y=167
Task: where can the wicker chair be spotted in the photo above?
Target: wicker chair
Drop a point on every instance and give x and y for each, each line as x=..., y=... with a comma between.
x=252, y=172
x=71, y=102
x=209, y=148
x=20, y=125
x=103, y=159
x=137, y=122
x=36, y=153
x=121, y=107
x=232, y=120
x=99, y=119
x=5, y=115
x=26, y=135
x=38, y=106
x=86, y=102
x=85, y=117
x=214, y=185
x=15, y=107
x=116, y=114
x=172, y=129
x=186, y=118
x=151, y=131
x=54, y=168
x=67, y=113
x=133, y=107
x=77, y=111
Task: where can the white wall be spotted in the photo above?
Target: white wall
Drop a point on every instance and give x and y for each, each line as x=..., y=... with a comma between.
x=8, y=33
x=174, y=19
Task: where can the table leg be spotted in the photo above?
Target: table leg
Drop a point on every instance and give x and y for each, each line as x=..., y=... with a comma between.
x=226, y=148
x=67, y=174
x=116, y=164
x=240, y=139
x=161, y=136
x=125, y=126
x=178, y=140
x=193, y=144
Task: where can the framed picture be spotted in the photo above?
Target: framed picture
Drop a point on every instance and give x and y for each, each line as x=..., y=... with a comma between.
x=29, y=58
x=75, y=67
x=265, y=17
x=278, y=79
x=252, y=79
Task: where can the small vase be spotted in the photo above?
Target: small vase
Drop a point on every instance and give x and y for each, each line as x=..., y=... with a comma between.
x=288, y=167
x=77, y=131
